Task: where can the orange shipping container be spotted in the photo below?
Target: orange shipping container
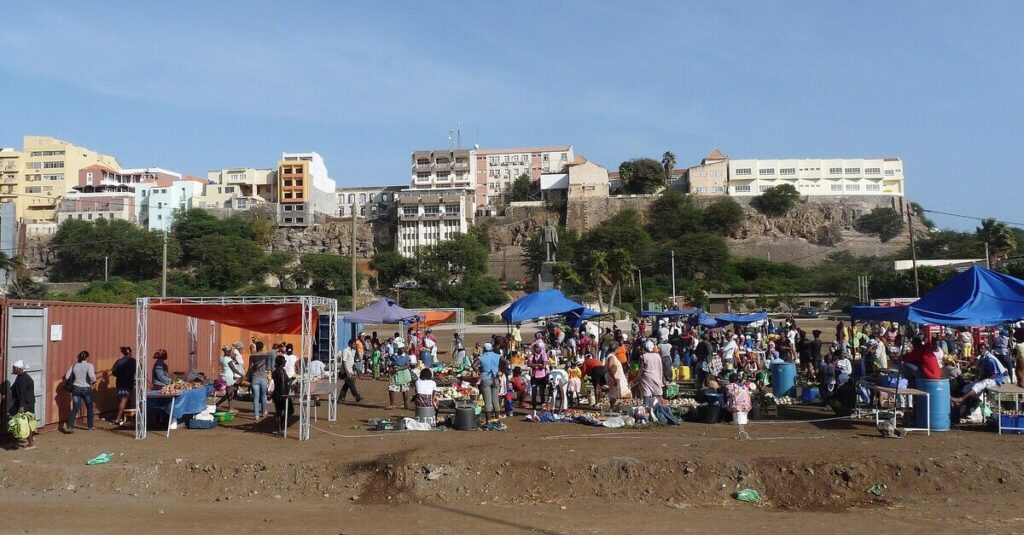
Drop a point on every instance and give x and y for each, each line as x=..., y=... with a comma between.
x=101, y=329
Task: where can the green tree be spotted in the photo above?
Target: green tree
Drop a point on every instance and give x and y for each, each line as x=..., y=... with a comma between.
x=724, y=215
x=668, y=162
x=448, y=262
x=391, y=267
x=193, y=224
x=599, y=274
x=777, y=201
x=700, y=255
x=281, y=264
x=673, y=213
x=642, y=175
x=566, y=276
x=884, y=221
x=620, y=230
x=998, y=236
x=326, y=275
x=522, y=188
x=949, y=244
x=227, y=263
x=919, y=214
x=81, y=247
x=533, y=249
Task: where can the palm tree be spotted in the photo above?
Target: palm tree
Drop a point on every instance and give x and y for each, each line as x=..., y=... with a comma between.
x=668, y=161
x=565, y=274
x=998, y=237
x=620, y=268
x=599, y=273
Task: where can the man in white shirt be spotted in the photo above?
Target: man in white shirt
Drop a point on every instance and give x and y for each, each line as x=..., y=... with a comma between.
x=316, y=368
x=236, y=355
x=729, y=351
x=347, y=372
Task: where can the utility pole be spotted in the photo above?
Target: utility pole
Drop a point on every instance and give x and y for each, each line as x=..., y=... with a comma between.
x=163, y=276
x=988, y=260
x=106, y=268
x=673, y=276
x=913, y=252
x=355, y=207
x=641, y=274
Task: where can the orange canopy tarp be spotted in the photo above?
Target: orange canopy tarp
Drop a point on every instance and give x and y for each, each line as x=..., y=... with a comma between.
x=433, y=317
x=285, y=318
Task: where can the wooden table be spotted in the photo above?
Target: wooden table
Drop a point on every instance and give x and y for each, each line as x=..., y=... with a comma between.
x=1006, y=390
x=901, y=392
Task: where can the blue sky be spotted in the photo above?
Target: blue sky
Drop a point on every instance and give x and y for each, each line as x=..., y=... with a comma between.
x=193, y=86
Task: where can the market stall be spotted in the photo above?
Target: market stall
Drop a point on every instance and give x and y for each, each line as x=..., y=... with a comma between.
x=273, y=315
x=543, y=304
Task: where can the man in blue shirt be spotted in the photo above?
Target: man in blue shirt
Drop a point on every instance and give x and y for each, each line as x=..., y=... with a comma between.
x=991, y=373
x=489, y=365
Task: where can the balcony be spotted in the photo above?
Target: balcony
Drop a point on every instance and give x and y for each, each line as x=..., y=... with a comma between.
x=9, y=166
x=460, y=166
x=442, y=167
x=421, y=167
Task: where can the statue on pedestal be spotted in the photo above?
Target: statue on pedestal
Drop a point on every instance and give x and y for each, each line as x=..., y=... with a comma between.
x=549, y=237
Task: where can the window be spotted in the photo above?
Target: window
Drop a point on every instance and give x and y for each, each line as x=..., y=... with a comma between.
x=431, y=209
x=287, y=182
x=383, y=197
x=515, y=159
x=872, y=171
x=763, y=189
x=409, y=211
x=287, y=220
x=287, y=208
x=565, y=157
x=547, y=157
x=743, y=189
x=787, y=171
x=59, y=176
x=837, y=187
x=764, y=172
x=743, y=172
x=47, y=153
x=853, y=187
x=451, y=208
x=889, y=172
x=286, y=170
x=835, y=170
x=229, y=189
x=492, y=160
x=298, y=194
x=506, y=159
x=362, y=198
x=422, y=176
x=853, y=170
x=717, y=189
x=702, y=190
x=443, y=175
x=422, y=161
x=872, y=187
x=443, y=161
x=287, y=195
x=88, y=176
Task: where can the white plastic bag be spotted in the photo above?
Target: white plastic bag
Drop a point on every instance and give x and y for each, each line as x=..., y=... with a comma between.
x=412, y=425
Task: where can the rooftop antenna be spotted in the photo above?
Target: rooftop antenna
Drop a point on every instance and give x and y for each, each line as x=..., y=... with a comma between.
x=455, y=137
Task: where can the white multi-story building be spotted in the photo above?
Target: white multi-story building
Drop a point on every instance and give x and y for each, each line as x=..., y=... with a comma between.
x=247, y=182
x=157, y=203
x=490, y=172
x=430, y=216
x=835, y=177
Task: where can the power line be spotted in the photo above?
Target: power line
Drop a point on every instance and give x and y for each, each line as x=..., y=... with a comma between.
x=974, y=217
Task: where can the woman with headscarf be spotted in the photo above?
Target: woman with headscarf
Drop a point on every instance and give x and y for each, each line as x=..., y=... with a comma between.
x=618, y=386
x=651, y=378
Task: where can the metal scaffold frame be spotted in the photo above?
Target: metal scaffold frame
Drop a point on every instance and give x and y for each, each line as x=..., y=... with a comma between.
x=309, y=305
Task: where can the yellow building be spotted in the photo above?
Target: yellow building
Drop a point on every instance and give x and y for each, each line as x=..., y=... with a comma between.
x=37, y=178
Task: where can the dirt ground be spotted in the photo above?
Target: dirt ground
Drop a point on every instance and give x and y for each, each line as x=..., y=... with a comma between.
x=532, y=478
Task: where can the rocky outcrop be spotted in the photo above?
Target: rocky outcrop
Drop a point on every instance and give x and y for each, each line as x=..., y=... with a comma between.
x=335, y=238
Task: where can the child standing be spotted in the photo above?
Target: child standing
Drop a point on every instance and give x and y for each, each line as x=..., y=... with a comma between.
x=575, y=383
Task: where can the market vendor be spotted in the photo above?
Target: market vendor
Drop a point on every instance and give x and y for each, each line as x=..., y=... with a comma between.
x=990, y=373
x=921, y=362
x=595, y=370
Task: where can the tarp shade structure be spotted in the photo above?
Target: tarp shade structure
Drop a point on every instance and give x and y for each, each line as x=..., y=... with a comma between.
x=543, y=304
x=977, y=297
x=742, y=319
x=382, y=312
x=285, y=318
x=671, y=313
x=705, y=321
x=869, y=313
x=433, y=317
x=576, y=317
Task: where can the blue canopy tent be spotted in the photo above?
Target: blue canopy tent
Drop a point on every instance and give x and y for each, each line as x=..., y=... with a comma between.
x=382, y=312
x=576, y=317
x=543, y=304
x=705, y=321
x=742, y=319
x=670, y=313
x=977, y=297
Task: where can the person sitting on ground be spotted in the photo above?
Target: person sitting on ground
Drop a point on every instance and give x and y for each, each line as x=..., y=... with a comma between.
x=519, y=387
x=737, y=397
x=425, y=388
x=991, y=372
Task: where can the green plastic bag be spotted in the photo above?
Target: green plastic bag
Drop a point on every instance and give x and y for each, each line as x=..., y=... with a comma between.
x=747, y=495
x=876, y=489
x=102, y=458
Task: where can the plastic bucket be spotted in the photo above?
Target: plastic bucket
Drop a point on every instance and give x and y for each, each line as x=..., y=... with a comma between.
x=739, y=418
x=809, y=394
x=466, y=418
x=709, y=414
x=938, y=406
x=426, y=415
x=783, y=379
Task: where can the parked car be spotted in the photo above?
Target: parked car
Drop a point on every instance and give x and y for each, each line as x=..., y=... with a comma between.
x=809, y=312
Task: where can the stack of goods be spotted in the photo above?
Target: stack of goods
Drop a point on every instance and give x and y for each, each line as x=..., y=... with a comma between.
x=205, y=419
x=176, y=387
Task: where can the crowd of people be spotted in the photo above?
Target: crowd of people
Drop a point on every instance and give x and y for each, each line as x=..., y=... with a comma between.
x=562, y=366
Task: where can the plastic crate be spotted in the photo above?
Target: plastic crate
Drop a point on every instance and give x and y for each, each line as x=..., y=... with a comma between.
x=201, y=424
x=1009, y=420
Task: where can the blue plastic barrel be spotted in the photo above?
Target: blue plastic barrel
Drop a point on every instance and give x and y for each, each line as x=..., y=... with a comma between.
x=938, y=397
x=784, y=379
